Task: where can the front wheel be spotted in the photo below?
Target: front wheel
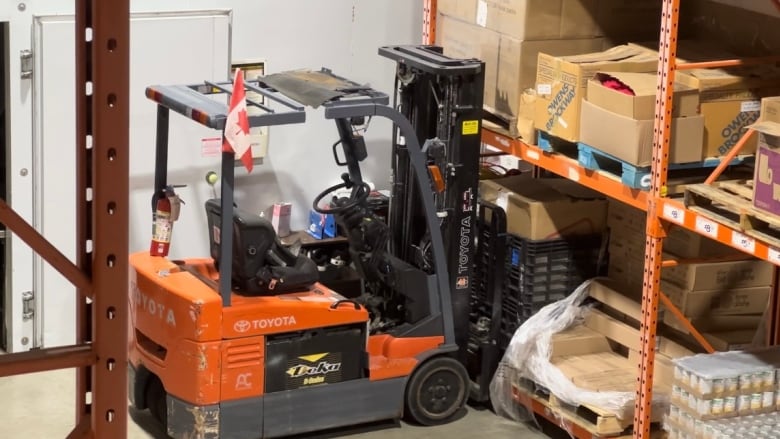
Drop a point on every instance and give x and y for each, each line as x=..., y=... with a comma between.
x=437, y=391
x=156, y=400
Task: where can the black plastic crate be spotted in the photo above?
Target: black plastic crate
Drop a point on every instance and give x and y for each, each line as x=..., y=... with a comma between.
x=542, y=272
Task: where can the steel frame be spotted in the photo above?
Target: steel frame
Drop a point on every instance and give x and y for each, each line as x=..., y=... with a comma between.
x=100, y=272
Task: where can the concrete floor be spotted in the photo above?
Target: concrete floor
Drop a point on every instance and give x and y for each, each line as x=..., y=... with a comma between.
x=40, y=406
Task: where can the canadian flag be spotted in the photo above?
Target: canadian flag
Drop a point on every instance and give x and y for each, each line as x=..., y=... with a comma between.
x=236, y=138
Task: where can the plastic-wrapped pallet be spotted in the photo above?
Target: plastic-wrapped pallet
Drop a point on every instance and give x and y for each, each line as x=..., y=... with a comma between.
x=528, y=359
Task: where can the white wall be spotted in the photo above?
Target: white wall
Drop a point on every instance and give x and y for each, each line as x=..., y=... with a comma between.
x=340, y=34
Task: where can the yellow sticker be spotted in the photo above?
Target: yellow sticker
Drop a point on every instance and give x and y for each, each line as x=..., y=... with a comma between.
x=470, y=127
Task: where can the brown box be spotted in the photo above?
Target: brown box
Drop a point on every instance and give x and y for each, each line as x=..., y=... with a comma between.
x=529, y=19
x=683, y=243
x=663, y=369
x=631, y=140
x=626, y=220
x=700, y=304
x=712, y=323
x=730, y=340
x=517, y=61
x=510, y=63
x=577, y=340
x=720, y=275
x=770, y=109
x=546, y=208
x=629, y=336
x=625, y=240
x=730, y=101
x=561, y=84
x=640, y=103
x=559, y=19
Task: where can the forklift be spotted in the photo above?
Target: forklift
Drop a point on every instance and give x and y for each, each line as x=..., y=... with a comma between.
x=248, y=343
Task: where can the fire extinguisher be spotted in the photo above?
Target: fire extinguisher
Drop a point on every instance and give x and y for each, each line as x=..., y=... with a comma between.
x=166, y=212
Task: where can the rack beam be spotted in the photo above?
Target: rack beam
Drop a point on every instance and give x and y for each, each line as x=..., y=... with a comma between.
x=566, y=167
x=46, y=359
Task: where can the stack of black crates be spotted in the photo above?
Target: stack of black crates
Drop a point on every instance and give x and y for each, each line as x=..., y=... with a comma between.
x=513, y=279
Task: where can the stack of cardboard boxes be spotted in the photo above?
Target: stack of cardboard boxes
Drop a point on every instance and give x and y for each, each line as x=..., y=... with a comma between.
x=509, y=35
x=730, y=101
x=573, y=105
x=724, y=300
x=625, y=102
x=542, y=57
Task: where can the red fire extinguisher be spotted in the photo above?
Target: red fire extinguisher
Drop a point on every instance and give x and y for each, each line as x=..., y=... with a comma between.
x=166, y=212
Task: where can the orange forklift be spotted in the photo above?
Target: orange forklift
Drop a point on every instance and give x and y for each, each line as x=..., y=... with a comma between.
x=248, y=343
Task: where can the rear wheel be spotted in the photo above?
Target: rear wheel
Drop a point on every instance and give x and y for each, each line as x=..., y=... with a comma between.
x=156, y=400
x=437, y=391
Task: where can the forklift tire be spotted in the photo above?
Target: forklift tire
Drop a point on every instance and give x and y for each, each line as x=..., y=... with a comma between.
x=156, y=400
x=437, y=391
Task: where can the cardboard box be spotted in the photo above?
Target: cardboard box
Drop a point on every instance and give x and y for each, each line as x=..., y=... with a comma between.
x=766, y=180
x=730, y=101
x=559, y=19
x=546, y=208
x=561, y=84
x=770, y=109
x=726, y=120
x=529, y=19
x=717, y=323
x=631, y=140
x=683, y=243
x=577, y=340
x=626, y=220
x=638, y=99
x=720, y=275
x=629, y=336
x=700, y=304
x=729, y=96
x=510, y=63
x=731, y=340
x=517, y=62
x=663, y=370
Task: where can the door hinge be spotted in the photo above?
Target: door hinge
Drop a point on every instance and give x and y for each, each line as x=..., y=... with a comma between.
x=26, y=58
x=28, y=305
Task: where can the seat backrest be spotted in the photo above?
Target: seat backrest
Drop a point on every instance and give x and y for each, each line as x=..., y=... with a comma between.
x=253, y=236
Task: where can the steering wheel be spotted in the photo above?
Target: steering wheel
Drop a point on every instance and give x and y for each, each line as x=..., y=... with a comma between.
x=363, y=191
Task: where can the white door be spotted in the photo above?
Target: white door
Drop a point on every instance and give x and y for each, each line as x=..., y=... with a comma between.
x=166, y=48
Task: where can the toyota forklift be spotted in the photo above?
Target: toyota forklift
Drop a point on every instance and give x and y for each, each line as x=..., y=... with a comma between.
x=248, y=343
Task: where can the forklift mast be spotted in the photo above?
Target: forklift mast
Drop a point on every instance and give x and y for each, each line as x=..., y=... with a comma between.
x=442, y=97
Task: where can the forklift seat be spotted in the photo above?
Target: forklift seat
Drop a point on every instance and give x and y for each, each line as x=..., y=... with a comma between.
x=261, y=264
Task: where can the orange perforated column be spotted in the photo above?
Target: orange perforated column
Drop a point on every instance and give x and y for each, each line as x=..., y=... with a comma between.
x=655, y=233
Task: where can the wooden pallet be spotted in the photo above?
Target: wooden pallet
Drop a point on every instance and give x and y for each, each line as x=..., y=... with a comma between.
x=731, y=203
x=584, y=422
x=633, y=176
